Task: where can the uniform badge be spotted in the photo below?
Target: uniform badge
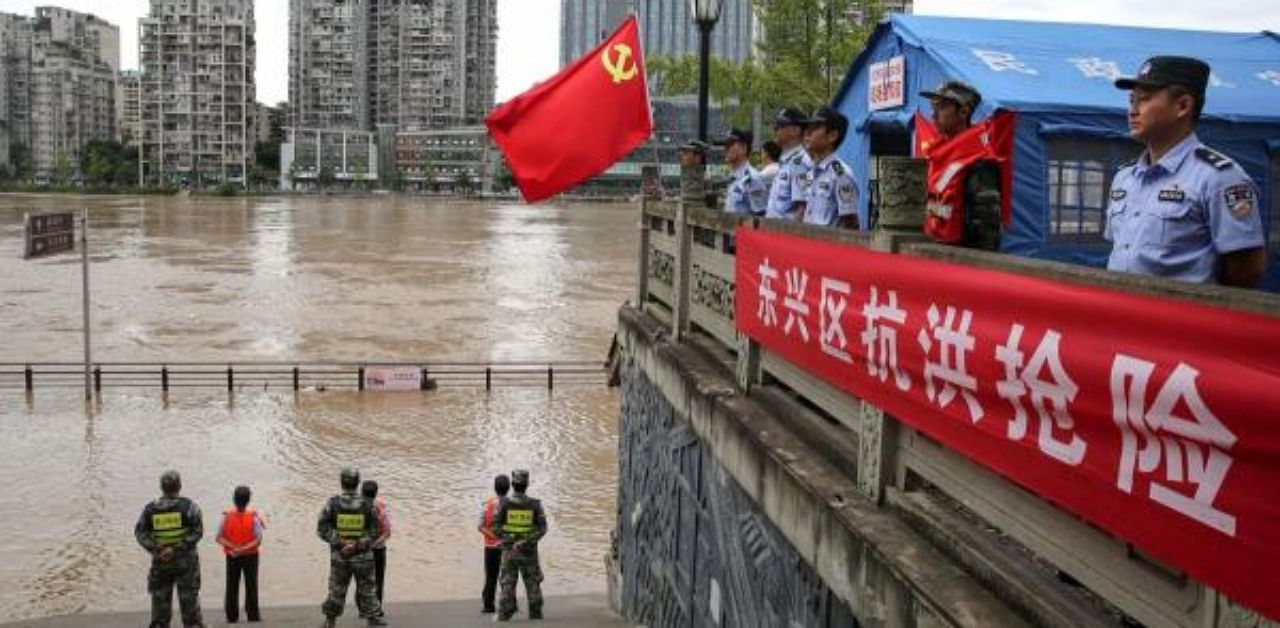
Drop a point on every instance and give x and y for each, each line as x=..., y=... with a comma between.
x=847, y=192
x=1173, y=195
x=1239, y=199
x=1118, y=194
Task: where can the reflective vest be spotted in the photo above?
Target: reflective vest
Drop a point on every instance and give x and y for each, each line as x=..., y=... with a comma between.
x=237, y=527
x=490, y=509
x=169, y=525
x=519, y=521
x=950, y=162
x=350, y=522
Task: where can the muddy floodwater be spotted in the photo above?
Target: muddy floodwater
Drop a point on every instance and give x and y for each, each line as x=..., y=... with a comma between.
x=309, y=279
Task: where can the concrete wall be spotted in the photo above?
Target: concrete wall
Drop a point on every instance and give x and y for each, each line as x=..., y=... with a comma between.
x=696, y=549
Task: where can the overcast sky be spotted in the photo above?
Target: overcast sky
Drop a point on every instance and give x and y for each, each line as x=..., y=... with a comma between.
x=528, y=33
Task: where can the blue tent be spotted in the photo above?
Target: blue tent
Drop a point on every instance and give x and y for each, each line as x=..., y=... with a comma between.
x=1072, y=132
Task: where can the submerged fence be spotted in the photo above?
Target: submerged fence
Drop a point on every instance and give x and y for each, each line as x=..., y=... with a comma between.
x=300, y=376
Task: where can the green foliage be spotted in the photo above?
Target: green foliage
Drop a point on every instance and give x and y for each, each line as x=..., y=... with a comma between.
x=326, y=177
x=464, y=184
x=62, y=170
x=228, y=189
x=109, y=163
x=267, y=156
x=807, y=48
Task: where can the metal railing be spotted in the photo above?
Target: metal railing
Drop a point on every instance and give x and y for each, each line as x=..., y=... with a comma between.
x=296, y=376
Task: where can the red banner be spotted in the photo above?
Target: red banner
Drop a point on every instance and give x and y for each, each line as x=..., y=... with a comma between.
x=1156, y=420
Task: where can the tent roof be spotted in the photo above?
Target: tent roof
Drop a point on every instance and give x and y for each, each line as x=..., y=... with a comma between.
x=1044, y=66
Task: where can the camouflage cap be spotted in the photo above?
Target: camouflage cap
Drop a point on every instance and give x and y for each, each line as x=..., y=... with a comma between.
x=350, y=477
x=170, y=481
x=520, y=476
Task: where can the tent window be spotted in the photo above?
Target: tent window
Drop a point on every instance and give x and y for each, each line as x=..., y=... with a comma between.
x=1080, y=174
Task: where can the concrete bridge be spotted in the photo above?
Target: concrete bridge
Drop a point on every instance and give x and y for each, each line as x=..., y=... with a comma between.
x=754, y=492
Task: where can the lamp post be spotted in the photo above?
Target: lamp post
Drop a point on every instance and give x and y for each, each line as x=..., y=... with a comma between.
x=706, y=13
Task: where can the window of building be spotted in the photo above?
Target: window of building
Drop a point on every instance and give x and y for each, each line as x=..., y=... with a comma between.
x=1080, y=173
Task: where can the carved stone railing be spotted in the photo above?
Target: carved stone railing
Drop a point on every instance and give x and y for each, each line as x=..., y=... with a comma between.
x=687, y=282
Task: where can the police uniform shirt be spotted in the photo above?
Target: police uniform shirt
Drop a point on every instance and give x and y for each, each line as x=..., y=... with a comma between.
x=747, y=193
x=832, y=194
x=791, y=184
x=1175, y=217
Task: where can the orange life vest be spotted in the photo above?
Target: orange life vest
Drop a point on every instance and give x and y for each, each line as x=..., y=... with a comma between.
x=237, y=527
x=491, y=509
x=950, y=162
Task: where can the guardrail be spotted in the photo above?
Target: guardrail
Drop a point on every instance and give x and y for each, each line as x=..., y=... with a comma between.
x=296, y=376
x=686, y=280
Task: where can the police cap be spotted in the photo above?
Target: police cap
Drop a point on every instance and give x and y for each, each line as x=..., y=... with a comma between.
x=788, y=117
x=828, y=117
x=737, y=135
x=1163, y=71
x=957, y=92
x=520, y=477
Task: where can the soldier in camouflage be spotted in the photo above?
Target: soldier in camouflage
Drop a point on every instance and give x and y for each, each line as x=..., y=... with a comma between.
x=520, y=523
x=349, y=525
x=170, y=529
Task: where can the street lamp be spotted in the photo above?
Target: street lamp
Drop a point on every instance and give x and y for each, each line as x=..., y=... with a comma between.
x=705, y=13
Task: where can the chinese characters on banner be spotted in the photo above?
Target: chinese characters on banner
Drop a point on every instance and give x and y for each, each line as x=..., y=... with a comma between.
x=1156, y=420
x=886, y=85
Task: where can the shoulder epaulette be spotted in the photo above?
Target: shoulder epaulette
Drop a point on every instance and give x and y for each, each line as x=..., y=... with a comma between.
x=1214, y=158
x=1129, y=164
x=837, y=167
x=797, y=158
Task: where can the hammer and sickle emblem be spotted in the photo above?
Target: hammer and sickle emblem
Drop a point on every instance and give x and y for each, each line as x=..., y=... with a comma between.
x=616, y=65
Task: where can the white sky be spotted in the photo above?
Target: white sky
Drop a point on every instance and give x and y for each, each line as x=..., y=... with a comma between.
x=528, y=35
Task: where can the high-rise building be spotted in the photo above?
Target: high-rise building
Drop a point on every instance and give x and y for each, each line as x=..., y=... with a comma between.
x=327, y=64
x=412, y=64
x=59, y=87
x=15, y=88
x=131, y=108
x=666, y=27
x=197, y=60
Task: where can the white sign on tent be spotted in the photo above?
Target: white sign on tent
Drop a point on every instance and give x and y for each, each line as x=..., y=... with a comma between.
x=886, y=87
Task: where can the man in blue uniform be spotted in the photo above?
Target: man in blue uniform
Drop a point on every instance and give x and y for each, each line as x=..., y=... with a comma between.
x=789, y=188
x=833, y=195
x=746, y=194
x=1182, y=210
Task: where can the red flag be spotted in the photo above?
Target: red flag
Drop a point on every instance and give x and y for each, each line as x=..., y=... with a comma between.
x=581, y=121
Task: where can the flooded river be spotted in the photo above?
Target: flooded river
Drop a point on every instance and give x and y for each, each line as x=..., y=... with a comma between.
x=368, y=280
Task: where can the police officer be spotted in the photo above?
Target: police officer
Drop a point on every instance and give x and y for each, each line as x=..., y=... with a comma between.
x=520, y=523
x=790, y=187
x=747, y=193
x=833, y=194
x=349, y=524
x=170, y=529
x=1182, y=210
x=967, y=211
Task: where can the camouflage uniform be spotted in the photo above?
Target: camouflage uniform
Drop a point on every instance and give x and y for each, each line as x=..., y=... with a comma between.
x=174, y=523
x=520, y=523
x=349, y=517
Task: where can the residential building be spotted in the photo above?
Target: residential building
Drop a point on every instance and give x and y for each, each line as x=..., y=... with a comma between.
x=358, y=64
x=452, y=160
x=131, y=108
x=60, y=88
x=666, y=27
x=198, y=91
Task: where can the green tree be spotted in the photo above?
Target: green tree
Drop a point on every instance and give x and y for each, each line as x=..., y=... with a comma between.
x=326, y=177
x=428, y=172
x=62, y=169
x=807, y=48
x=464, y=185
x=20, y=155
